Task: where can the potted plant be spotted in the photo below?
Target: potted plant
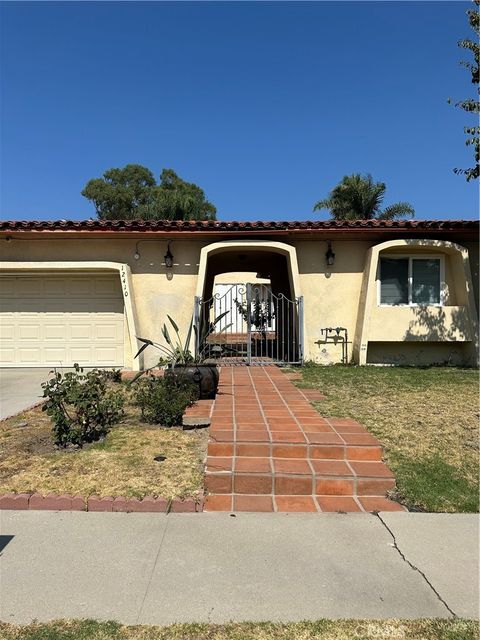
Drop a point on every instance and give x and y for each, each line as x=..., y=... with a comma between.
x=180, y=360
x=261, y=315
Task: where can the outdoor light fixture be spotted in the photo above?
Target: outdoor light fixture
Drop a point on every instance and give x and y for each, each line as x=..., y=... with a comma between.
x=168, y=257
x=136, y=255
x=329, y=255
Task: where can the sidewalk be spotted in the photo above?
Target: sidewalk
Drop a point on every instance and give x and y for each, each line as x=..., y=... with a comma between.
x=212, y=567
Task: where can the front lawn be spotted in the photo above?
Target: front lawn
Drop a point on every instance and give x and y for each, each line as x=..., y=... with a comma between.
x=120, y=465
x=320, y=630
x=427, y=420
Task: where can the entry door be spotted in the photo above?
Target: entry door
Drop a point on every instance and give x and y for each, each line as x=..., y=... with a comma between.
x=248, y=323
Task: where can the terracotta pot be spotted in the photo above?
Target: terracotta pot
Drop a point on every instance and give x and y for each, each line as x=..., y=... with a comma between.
x=204, y=375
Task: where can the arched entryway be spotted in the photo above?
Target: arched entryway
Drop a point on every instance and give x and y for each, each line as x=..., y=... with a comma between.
x=257, y=317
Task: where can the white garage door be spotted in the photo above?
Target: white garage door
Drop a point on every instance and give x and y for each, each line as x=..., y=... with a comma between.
x=48, y=320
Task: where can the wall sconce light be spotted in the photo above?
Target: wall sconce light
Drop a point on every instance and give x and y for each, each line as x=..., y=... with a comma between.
x=136, y=255
x=168, y=257
x=329, y=255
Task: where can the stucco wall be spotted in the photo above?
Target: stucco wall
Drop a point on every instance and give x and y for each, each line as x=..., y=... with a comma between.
x=332, y=296
x=418, y=354
x=455, y=321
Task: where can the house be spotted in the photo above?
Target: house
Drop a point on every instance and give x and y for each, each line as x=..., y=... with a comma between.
x=377, y=292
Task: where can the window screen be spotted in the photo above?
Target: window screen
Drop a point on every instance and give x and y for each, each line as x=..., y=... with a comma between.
x=394, y=281
x=426, y=281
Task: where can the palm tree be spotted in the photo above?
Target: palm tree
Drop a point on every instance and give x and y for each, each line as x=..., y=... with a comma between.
x=358, y=197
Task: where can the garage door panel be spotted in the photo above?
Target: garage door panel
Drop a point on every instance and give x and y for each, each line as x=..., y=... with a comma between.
x=7, y=356
x=82, y=355
x=7, y=331
x=55, y=287
x=27, y=355
x=106, y=356
x=55, y=331
x=106, y=288
x=13, y=306
x=58, y=320
x=29, y=331
x=54, y=357
x=8, y=289
x=106, y=332
x=83, y=288
x=80, y=332
x=28, y=287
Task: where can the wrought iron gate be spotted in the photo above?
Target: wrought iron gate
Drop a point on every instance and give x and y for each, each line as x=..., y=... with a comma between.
x=249, y=324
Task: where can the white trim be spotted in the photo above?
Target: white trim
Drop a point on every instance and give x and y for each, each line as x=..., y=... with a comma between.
x=287, y=250
x=411, y=257
x=368, y=298
x=125, y=275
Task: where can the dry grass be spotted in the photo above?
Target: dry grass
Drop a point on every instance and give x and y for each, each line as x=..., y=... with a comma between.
x=427, y=420
x=320, y=630
x=121, y=465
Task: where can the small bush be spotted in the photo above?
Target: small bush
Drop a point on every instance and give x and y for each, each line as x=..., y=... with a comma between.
x=112, y=375
x=81, y=406
x=164, y=400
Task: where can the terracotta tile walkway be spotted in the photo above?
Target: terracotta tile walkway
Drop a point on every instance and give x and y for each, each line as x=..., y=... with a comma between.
x=270, y=450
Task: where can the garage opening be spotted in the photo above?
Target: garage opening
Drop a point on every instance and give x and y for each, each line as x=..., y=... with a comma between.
x=58, y=319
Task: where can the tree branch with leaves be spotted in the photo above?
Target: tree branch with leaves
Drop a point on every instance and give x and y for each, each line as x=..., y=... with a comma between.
x=358, y=197
x=471, y=105
x=132, y=193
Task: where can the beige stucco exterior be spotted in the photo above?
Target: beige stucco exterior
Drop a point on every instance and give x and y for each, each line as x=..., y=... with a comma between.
x=344, y=294
x=455, y=321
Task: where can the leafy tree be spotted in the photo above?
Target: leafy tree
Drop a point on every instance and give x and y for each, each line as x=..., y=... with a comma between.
x=471, y=105
x=132, y=193
x=180, y=200
x=358, y=197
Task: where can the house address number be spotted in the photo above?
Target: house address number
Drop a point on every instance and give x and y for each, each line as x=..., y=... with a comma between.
x=123, y=278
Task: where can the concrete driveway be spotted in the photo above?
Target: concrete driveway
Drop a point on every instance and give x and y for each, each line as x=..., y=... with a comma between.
x=20, y=389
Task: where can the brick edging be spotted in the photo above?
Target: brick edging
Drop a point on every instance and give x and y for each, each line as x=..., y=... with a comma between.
x=65, y=502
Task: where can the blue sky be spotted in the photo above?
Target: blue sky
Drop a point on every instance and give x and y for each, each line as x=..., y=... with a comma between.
x=264, y=105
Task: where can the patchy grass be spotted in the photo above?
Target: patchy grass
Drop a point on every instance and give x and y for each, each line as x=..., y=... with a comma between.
x=121, y=465
x=434, y=629
x=427, y=420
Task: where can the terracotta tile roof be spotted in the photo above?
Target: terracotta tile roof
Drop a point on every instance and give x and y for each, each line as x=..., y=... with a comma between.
x=233, y=226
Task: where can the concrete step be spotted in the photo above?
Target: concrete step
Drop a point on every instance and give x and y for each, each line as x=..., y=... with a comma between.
x=303, y=504
x=288, y=476
x=372, y=452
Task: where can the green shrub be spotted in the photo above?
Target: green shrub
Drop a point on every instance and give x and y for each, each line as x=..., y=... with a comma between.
x=81, y=406
x=112, y=375
x=164, y=400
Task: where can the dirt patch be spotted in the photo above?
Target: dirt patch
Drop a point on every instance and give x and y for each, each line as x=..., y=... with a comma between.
x=123, y=464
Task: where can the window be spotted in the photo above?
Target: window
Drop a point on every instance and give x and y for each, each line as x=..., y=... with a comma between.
x=394, y=281
x=410, y=280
